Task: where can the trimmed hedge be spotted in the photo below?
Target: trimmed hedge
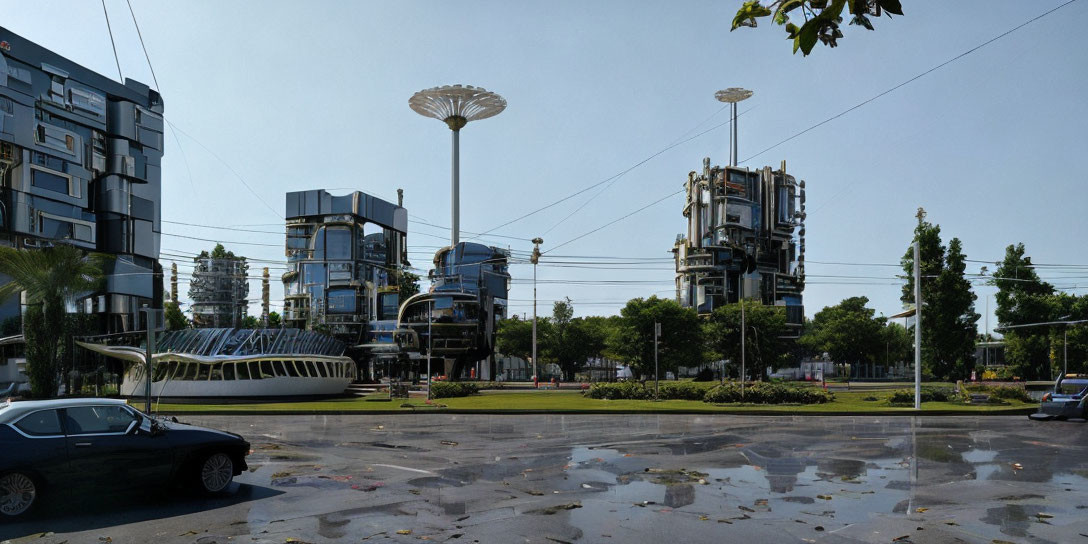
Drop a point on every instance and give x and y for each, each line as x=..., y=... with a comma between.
x=445, y=390
x=928, y=394
x=619, y=391
x=683, y=390
x=1003, y=392
x=767, y=393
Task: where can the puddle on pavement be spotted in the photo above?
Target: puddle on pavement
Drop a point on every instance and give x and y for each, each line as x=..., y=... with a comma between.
x=831, y=492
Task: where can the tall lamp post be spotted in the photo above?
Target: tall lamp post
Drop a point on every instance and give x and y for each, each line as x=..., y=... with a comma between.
x=456, y=105
x=731, y=96
x=535, y=258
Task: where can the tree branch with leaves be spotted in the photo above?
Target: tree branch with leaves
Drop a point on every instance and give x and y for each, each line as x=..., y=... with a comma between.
x=822, y=18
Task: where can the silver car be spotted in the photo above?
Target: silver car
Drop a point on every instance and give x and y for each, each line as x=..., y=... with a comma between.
x=1067, y=400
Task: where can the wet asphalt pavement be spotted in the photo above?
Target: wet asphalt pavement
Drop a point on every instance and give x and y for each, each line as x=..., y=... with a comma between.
x=615, y=478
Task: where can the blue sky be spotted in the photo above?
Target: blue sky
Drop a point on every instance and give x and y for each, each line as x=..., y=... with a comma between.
x=297, y=96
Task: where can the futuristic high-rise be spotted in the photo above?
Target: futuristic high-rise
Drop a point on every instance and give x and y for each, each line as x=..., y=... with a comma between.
x=344, y=257
x=745, y=238
x=80, y=160
x=218, y=290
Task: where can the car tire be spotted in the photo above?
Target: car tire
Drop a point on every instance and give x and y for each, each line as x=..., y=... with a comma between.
x=18, y=494
x=214, y=473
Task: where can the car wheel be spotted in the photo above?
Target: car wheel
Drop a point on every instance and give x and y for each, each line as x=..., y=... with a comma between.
x=18, y=494
x=215, y=473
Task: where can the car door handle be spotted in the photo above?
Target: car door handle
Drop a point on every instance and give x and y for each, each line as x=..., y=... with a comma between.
x=84, y=444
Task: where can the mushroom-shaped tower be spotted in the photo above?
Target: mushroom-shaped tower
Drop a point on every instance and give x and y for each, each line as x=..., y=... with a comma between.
x=456, y=105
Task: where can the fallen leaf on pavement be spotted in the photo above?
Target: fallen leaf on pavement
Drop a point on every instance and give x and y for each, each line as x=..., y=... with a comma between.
x=404, y=532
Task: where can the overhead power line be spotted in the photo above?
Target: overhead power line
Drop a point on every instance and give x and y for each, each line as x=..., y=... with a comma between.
x=610, y=178
x=614, y=221
x=229, y=167
x=919, y=76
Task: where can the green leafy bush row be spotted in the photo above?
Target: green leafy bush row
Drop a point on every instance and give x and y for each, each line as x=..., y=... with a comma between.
x=1003, y=392
x=445, y=390
x=928, y=394
x=684, y=390
x=619, y=390
x=768, y=393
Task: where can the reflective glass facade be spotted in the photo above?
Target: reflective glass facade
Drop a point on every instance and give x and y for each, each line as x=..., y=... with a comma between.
x=343, y=254
x=80, y=159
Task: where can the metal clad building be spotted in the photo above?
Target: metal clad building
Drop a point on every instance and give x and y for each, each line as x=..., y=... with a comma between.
x=80, y=161
x=218, y=291
x=343, y=258
x=745, y=238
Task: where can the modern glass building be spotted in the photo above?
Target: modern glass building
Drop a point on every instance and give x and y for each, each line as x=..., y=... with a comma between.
x=456, y=320
x=745, y=238
x=80, y=159
x=344, y=255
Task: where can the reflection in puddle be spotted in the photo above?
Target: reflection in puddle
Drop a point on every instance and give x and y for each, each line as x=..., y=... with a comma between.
x=825, y=491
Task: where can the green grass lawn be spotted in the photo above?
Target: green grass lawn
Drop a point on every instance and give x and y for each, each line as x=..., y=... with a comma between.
x=573, y=401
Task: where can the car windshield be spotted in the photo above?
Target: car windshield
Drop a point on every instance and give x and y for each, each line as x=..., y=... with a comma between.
x=1072, y=387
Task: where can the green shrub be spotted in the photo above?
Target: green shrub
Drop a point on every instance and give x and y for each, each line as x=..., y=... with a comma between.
x=619, y=390
x=684, y=390
x=928, y=394
x=445, y=390
x=705, y=375
x=768, y=393
x=1003, y=392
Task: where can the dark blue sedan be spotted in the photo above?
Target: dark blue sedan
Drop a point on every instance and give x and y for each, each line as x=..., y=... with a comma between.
x=93, y=444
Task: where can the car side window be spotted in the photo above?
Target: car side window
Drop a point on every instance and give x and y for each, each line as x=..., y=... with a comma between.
x=41, y=423
x=98, y=419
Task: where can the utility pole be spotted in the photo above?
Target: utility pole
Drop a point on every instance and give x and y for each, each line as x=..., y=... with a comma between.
x=535, y=258
x=743, y=341
x=657, y=375
x=917, y=324
x=430, y=316
x=148, y=319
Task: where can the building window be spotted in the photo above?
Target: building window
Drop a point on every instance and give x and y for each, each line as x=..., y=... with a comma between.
x=50, y=181
x=341, y=301
x=338, y=244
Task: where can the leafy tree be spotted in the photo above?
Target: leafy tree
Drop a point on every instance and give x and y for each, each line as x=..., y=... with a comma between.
x=514, y=337
x=218, y=252
x=1067, y=307
x=274, y=320
x=898, y=344
x=848, y=332
x=681, y=341
x=407, y=283
x=821, y=18
x=175, y=320
x=763, y=344
x=949, y=320
x=1023, y=298
x=250, y=322
x=563, y=344
x=594, y=333
x=50, y=277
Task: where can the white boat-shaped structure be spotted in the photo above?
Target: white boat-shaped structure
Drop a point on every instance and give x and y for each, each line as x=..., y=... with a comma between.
x=236, y=363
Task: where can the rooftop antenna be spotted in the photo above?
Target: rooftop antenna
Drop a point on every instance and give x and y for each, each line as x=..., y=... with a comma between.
x=456, y=105
x=731, y=96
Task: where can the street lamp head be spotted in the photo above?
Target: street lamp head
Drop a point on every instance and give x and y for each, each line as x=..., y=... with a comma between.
x=733, y=95
x=538, y=241
x=456, y=105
